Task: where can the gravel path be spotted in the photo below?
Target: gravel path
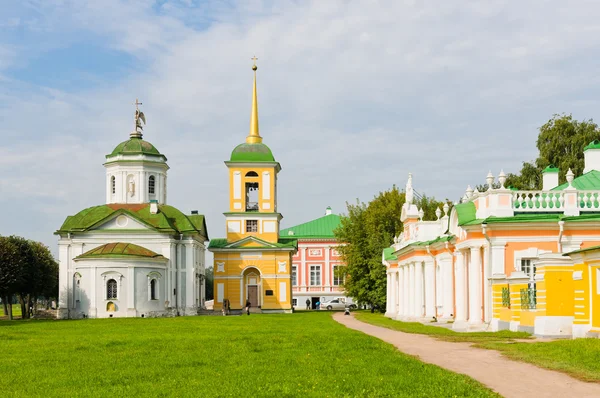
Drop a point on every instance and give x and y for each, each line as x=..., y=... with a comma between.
x=508, y=378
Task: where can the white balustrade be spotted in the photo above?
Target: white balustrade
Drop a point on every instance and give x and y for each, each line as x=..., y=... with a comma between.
x=553, y=201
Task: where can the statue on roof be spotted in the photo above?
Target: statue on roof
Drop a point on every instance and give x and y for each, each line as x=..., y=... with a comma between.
x=139, y=118
x=409, y=190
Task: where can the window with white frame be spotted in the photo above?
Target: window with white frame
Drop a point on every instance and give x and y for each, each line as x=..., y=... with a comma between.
x=113, y=184
x=294, y=275
x=295, y=302
x=315, y=275
x=151, y=184
x=153, y=289
x=338, y=275
x=529, y=295
x=111, y=289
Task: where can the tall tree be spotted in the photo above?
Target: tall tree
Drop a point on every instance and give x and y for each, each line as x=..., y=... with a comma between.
x=365, y=231
x=560, y=143
x=11, y=275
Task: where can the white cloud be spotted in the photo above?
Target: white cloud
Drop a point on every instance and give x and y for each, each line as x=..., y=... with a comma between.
x=352, y=95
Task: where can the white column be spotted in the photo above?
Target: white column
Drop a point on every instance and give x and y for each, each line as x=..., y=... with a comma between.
x=475, y=299
x=448, y=290
x=487, y=291
x=190, y=277
x=461, y=302
x=419, y=291
x=411, y=290
x=327, y=269
x=392, y=290
x=304, y=269
x=429, y=289
x=400, y=294
x=388, y=289
x=94, y=295
x=131, y=312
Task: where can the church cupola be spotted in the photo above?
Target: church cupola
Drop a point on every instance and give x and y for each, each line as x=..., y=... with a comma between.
x=136, y=172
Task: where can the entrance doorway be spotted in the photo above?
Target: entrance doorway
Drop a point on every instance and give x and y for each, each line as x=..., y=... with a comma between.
x=314, y=301
x=253, y=295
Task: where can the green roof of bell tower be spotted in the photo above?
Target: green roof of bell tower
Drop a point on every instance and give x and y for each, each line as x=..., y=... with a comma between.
x=258, y=152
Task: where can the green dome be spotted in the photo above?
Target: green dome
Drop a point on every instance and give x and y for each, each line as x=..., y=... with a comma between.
x=252, y=153
x=135, y=146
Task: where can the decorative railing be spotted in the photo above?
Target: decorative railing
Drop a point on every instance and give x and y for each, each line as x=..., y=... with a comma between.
x=506, y=297
x=555, y=201
x=534, y=201
x=528, y=299
x=588, y=200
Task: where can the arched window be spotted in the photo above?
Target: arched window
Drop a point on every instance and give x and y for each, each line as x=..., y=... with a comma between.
x=113, y=184
x=153, y=289
x=151, y=184
x=111, y=289
x=251, y=174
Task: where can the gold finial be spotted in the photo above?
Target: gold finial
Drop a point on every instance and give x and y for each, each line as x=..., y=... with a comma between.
x=138, y=119
x=254, y=137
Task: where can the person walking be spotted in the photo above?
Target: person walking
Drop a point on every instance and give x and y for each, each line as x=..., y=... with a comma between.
x=248, y=306
x=308, y=304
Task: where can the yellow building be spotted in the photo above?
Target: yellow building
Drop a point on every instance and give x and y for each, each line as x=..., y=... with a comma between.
x=253, y=263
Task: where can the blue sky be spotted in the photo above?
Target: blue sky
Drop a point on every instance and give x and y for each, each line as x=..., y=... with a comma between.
x=353, y=95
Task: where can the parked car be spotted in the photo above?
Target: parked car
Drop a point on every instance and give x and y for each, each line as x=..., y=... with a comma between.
x=336, y=304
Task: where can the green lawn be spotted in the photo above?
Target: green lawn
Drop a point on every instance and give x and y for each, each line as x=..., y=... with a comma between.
x=439, y=332
x=306, y=354
x=16, y=310
x=579, y=357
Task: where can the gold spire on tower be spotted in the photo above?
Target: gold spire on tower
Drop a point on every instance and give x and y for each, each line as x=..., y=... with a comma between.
x=254, y=137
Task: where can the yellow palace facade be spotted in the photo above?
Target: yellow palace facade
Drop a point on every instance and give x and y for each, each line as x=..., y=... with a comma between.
x=504, y=259
x=253, y=263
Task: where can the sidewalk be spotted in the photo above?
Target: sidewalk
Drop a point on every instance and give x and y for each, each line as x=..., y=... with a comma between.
x=508, y=378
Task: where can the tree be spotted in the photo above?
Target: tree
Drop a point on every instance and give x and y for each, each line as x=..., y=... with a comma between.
x=560, y=143
x=45, y=277
x=11, y=275
x=208, y=283
x=365, y=231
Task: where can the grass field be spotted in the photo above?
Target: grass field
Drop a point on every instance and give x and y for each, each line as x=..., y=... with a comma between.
x=285, y=355
x=579, y=357
x=439, y=332
x=16, y=310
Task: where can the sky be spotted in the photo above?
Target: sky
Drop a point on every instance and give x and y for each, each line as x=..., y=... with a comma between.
x=353, y=95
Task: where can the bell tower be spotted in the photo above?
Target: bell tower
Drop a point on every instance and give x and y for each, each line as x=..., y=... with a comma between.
x=253, y=185
x=252, y=264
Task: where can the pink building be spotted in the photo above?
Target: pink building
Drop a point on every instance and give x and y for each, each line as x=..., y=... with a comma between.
x=314, y=275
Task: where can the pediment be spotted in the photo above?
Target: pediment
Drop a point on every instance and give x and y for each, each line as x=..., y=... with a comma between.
x=250, y=241
x=120, y=222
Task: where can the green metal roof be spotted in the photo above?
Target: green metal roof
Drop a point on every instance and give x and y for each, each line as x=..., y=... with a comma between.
x=221, y=243
x=551, y=169
x=588, y=181
x=593, y=145
x=388, y=254
x=252, y=153
x=466, y=212
x=525, y=218
x=168, y=219
x=135, y=146
x=120, y=250
x=322, y=227
x=589, y=249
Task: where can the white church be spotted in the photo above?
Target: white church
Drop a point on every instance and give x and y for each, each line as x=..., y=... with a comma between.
x=134, y=256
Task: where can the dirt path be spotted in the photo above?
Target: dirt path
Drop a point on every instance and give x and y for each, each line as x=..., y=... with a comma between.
x=507, y=377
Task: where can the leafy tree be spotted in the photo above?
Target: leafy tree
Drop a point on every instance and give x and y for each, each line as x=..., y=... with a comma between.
x=365, y=231
x=44, y=280
x=11, y=275
x=209, y=275
x=560, y=143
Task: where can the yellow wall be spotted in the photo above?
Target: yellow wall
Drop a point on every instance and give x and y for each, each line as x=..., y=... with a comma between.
x=559, y=290
x=271, y=276
x=581, y=296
